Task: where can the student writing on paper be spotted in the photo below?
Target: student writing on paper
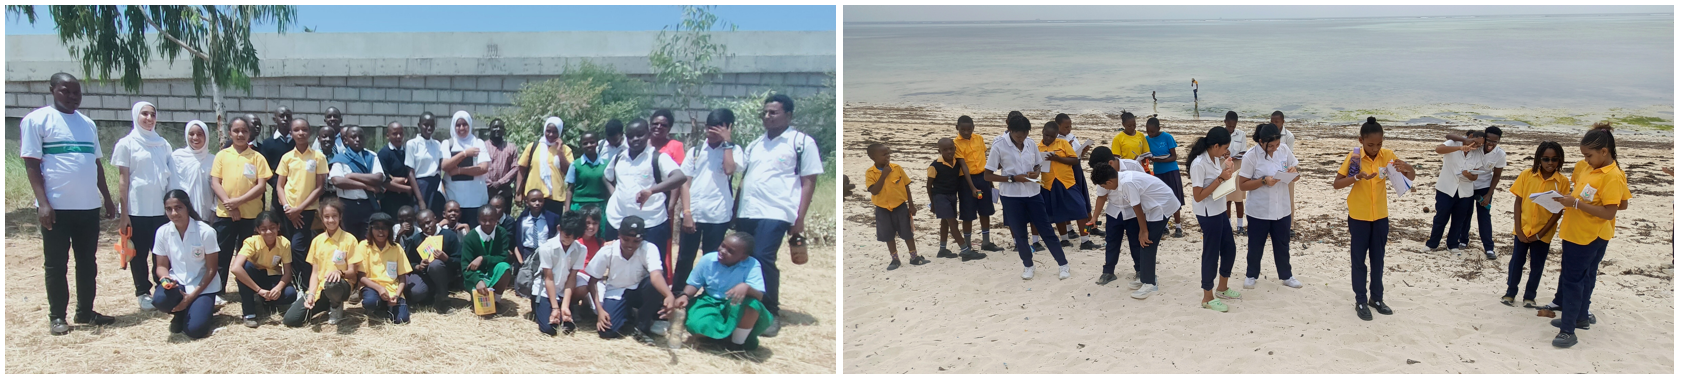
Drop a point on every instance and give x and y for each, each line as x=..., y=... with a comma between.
x=1211, y=167
x=1588, y=225
x=1534, y=224
x=1269, y=205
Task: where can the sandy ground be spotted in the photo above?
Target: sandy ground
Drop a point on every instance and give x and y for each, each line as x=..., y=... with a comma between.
x=458, y=342
x=980, y=317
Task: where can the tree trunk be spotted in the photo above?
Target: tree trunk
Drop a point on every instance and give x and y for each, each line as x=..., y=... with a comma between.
x=216, y=101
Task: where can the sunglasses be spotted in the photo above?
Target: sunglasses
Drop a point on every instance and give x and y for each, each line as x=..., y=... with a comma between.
x=1550, y=159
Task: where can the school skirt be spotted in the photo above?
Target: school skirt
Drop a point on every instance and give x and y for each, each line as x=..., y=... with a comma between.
x=1063, y=204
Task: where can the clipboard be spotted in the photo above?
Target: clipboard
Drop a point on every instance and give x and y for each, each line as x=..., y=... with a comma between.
x=1225, y=188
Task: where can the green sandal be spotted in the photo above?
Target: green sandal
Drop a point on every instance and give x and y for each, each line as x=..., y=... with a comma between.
x=1229, y=293
x=1215, y=305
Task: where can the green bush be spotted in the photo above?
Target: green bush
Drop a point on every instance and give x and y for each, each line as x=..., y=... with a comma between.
x=585, y=97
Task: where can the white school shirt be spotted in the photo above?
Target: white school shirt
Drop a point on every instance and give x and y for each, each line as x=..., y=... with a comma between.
x=193, y=175
x=472, y=193
x=607, y=152
x=1203, y=172
x=1267, y=202
x=1240, y=141
x=186, y=254
x=1451, y=181
x=771, y=185
x=620, y=273
x=1002, y=158
x=151, y=172
x=631, y=176
x=339, y=170
x=423, y=155
x=68, y=146
x=1288, y=138
x=1492, y=159
x=559, y=260
x=1074, y=142
x=1139, y=188
x=709, y=188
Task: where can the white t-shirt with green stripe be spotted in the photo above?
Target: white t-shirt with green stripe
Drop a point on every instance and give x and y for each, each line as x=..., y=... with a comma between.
x=68, y=146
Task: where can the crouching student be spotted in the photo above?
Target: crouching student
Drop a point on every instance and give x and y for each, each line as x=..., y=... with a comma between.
x=631, y=270
x=485, y=265
x=187, y=258
x=1138, y=205
x=558, y=261
x=890, y=190
x=1368, y=214
x=386, y=272
x=1535, y=225
x=263, y=269
x=336, y=260
x=1211, y=166
x=726, y=288
x=434, y=251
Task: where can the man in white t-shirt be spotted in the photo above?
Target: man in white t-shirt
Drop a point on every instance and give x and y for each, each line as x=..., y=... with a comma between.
x=60, y=150
x=631, y=270
x=710, y=203
x=358, y=175
x=1493, y=165
x=781, y=173
x=639, y=191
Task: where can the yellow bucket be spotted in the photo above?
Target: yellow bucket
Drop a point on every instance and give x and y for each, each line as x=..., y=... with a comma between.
x=483, y=303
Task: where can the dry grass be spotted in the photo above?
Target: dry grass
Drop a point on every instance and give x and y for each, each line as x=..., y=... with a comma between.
x=458, y=342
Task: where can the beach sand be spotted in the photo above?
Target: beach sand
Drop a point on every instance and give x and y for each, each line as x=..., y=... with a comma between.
x=980, y=317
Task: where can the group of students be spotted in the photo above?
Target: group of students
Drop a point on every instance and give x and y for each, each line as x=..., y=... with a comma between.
x=422, y=217
x=1136, y=182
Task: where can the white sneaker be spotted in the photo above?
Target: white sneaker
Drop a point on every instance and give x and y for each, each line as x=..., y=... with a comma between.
x=1144, y=292
x=1293, y=283
x=1063, y=273
x=221, y=301
x=1134, y=284
x=334, y=314
x=1027, y=274
x=145, y=301
x=1248, y=282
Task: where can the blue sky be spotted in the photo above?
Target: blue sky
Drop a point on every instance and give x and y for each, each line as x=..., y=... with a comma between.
x=392, y=18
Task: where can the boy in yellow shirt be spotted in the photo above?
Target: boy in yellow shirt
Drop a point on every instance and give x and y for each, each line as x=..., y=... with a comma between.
x=385, y=269
x=890, y=191
x=972, y=150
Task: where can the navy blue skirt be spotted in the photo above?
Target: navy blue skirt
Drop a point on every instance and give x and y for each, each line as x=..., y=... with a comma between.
x=1063, y=204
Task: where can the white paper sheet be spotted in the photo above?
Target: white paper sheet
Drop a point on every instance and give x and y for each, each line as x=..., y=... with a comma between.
x=1546, y=201
x=1225, y=188
x=1285, y=177
x=1397, y=181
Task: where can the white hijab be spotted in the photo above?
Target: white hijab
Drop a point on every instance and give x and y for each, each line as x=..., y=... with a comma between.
x=147, y=138
x=547, y=172
x=461, y=141
x=560, y=128
x=194, y=170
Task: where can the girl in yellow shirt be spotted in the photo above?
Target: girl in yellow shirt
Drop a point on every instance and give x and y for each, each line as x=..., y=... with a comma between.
x=385, y=269
x=1534, y=225
x=1368, y=213
x=1589, y=223
x=1063, y=202
x=263, y=269
x=335, y=258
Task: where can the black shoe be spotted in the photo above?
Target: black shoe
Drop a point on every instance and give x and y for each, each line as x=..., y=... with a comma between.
x=1067, y=243
x=1381, y=308
x=893, y=265
x=1242, y=231
x=59, y=327
x=1592, y=320
x=1490, y=255
x=918, y=260
x=1564, y=340
x=1038, y=247
x=770, y=332
x=1085, y=245
x=178, y=324
x=1508, y=301
x=732, y=347
x=945, y=254
x=1364, y=313
x=1581, y=324
x=985, y=246
x=94, y=318
x=1178, y=233
x=644, y=337
x=1106, y=278
x=971, y=254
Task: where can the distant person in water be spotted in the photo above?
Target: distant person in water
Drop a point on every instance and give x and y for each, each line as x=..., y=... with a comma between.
x=1194, y=97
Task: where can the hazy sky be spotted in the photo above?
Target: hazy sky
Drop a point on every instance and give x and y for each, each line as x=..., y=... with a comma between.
x=1156, y=12
x=394, y=18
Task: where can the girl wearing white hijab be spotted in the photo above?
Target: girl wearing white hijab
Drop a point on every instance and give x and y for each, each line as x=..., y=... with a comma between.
x=142, y=162
x=545, y=169
x=466, y=166
x=192, y=168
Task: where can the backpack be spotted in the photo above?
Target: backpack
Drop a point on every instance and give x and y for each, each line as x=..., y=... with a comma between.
x=528, y=272
x=799, y=155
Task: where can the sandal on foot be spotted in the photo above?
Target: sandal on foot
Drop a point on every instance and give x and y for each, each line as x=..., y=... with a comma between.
x=1215, y=305
x=1230, y=294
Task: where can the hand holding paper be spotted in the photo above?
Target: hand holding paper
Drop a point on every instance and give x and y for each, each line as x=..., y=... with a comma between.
x=1548, y=200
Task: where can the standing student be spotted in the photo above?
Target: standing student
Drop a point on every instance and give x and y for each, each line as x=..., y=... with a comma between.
x=559, y=260
x=60, y=150
x=142, y=161
x=263, y=269
x=1164, y=151
x=973, y=150
x=534, y=226
x=273, y=148
x=544, y=166
x=613, y=138
x=586, y=178
x=386, y=271
x=659, y=135
x=399, y=192
x=467, y=164
x=303, y=172
x=424, y=156
x=1064, y=202
x=237, y=177
x=1270, y=212
x=1212, y=166
x=633, y=280
x=485, y=265
x=337, y=263
x=1534, y=225
x=1454, y=189
x=776, y=191
x=1239, y=145
x=1288, y=138
x=726, y=288
x=1065, y=126
x=1138, y=206
x=192, y=168
x=504, y=160
x=641, y=178
x=1590, y=222
x=328, y=142
x=187, y=259
x=359, y=177
x=1368, y=213
x=1014, y=161
x=948, y=181
x=709, y=204
x=1194, y=97
x=434, y=251
x=1493, y=166
x=890, y=190
x=1130, y=143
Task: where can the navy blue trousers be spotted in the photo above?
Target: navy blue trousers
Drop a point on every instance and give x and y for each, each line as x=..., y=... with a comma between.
x=1021, y=211
x=1576, y=280
x=1259, y=230
x=1367, y=240
x=1219, y=248
x=1536, y=254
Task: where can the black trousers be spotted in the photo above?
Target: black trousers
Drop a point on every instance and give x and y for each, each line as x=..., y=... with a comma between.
x=230, y=235
x=145, y=230
x=76, y=230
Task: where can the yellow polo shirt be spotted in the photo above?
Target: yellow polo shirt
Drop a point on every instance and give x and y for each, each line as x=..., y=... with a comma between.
x=1060, y=172
x=1611, y=186
x=557, y=174
x=1535, y=217
x=239, y=173
x=334, y=251
x=1129, y=147
x=384, y=265
x=266, y=257
x=1368, y=200
x=300, y=170
x=892, y=193
x=973, y=152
